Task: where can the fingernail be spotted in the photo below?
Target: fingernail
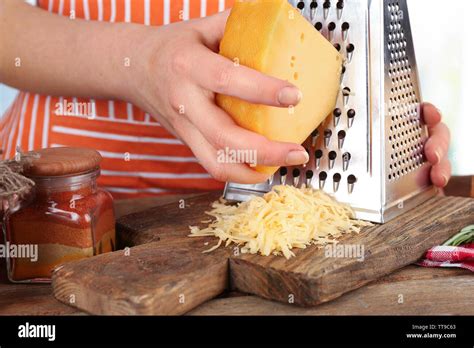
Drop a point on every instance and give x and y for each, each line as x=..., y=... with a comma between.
x=438, y=157
x=289, y=96
x=445, y=180
x=295, y=158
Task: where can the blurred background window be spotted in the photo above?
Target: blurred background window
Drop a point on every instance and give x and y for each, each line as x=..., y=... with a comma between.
x=442, y=33
x=7, y=94
x=445, y=52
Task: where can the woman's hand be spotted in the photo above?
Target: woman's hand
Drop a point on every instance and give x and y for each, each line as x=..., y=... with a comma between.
x=172, y=72
x=436, y=147
x=180, y=74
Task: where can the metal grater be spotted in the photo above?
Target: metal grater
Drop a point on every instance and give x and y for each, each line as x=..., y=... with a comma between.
x=369, y=152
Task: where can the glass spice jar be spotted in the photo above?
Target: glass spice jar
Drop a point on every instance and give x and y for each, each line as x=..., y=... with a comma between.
x=66, y=217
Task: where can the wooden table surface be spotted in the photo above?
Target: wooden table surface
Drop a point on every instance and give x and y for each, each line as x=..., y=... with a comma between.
x=410, y=291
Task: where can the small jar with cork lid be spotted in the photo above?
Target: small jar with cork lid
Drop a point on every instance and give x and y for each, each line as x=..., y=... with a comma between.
x=65, y=217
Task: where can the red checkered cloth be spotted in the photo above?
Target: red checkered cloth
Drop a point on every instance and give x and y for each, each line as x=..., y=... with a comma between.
x=450, y=256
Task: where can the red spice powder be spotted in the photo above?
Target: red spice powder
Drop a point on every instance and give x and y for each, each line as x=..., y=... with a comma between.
x=66, y=225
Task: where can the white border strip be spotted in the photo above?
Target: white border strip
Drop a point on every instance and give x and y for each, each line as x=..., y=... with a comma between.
x=112, y=136
x=154, y=175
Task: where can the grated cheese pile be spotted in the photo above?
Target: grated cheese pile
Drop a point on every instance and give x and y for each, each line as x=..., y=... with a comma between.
x=283, y=219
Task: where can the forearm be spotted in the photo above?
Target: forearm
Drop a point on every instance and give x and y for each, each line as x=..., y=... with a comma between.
x=49, y=54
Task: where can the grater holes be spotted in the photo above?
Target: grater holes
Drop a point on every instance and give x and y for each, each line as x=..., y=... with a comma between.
x=336, y=179
x=351, y=179
x=406, y=131
x=346, y=159
x=350, y=117
x=328, y=148
x=296, y=176
x=406, y=142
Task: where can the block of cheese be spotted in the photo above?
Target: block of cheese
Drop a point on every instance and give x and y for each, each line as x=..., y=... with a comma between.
x=272, y=37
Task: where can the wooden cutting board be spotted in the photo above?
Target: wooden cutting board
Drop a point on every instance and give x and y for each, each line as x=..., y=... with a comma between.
x=163, y=271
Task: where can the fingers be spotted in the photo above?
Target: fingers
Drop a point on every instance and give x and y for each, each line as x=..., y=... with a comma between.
x=222, y=133
x=436, y=148
x=441, y=173
x=208, y=158
x=221, y=75
x=431, y=115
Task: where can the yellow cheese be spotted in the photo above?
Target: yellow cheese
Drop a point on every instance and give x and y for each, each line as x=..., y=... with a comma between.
x=272, y=37
x=283, y=219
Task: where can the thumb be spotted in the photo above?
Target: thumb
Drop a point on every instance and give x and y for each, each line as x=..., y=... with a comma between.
x=212, y=29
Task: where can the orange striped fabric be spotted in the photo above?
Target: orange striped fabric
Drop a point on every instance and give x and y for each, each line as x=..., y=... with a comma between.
x=141, y=157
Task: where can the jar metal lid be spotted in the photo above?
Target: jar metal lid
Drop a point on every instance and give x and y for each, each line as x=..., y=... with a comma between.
x=62, y=161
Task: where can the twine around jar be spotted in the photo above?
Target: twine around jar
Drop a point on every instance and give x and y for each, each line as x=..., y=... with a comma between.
x=13, y=185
